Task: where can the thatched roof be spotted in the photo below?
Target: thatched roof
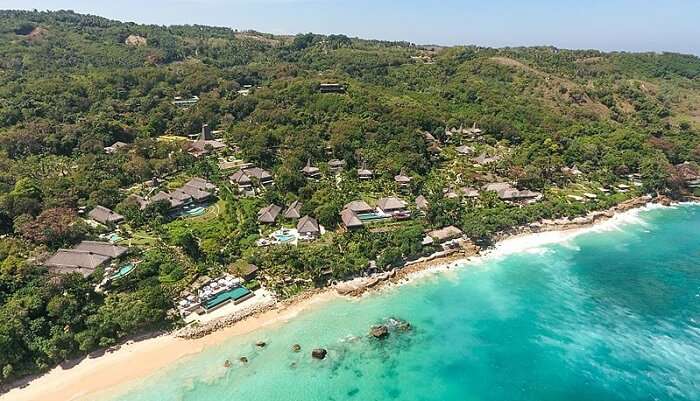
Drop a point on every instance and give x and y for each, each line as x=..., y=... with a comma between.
x=359, y=206
x=445, y=234
x=293, y=211
x=104, y=215
x=391, y=203
x=308, y=225
x=268, y=214
x=350, y=219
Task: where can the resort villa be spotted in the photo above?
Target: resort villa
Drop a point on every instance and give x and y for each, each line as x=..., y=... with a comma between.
x=310, y=171
x=336, y=165
x=350, y=220
x=205, y=143
x=195, y=191
x=84, y=258
x=105, y=216
x=363, y=173
x=269, y=214
x=402, y=180
x=507, y=192
x=447, y=237
x=184, y=103
x=392, y=206
x=359, y=207
x=293, y=212
x=308, y=228
x=251, y=178
x=209, y=294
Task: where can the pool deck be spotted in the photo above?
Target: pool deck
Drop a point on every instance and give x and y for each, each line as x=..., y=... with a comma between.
x=260, y=296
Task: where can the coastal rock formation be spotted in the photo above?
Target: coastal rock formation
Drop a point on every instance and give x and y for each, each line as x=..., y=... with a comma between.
x=359, y=285
x=319, y=353
x=398, y=324
x=380, y=331
x=296, y=347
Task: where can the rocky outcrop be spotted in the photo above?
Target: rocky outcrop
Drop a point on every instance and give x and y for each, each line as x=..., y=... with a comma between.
x=135, y=40
x=359, y=285
x=319, y=353
x=380, y=331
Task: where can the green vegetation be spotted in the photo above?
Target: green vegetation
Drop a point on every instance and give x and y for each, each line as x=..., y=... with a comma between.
x=73, y=84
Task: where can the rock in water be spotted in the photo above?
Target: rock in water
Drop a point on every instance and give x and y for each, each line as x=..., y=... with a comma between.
x=296, y=347
x=243, y=359
x=319, y=353
x=379, y=331
x=261, y=344
x=227, y=364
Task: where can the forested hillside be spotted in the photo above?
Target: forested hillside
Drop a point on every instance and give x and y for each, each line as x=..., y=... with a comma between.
x=71, y=85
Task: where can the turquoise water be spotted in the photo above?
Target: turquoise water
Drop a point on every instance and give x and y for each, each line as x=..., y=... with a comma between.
x=283, y=236
x=234, y=294
x=123, y=271
x=608, y=315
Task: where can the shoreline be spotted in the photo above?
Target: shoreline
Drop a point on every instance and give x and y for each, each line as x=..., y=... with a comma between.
x=135, y=360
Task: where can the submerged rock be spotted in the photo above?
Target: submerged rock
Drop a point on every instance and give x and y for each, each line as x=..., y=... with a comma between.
x=243, y=359
x=296, y=347
x=319, y=353
x=227, y=364
x=261, y=344
x=380, y=331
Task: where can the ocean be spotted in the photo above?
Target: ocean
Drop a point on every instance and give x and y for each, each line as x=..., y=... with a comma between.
x=610, y=314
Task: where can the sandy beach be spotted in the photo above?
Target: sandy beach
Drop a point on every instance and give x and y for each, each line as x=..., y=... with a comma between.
x=136, y=360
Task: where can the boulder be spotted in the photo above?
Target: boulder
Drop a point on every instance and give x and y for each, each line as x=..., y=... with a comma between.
x=227, y=364
x=380, y=331
x=296, y=347
x=319, y=353
x=243, y=359
x=261, y=344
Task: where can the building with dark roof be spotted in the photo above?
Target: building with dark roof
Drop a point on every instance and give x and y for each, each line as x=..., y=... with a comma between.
x=268, y=214
x=293, y=211
x=359, y=206
x=310, y=171
x=308, y=226
x=350, y=219
x=205, y=143
x=83, y=258
x=391, y=205
x=105, y=216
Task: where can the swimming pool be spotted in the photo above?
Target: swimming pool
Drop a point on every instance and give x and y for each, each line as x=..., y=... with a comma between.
x=114, y=237
x=233, y=294
x=372, y=216
x=195, y=211
x=123, y=271
x=284, y=236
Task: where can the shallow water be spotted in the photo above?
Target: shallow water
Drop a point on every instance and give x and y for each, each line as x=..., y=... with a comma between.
x=612, y=314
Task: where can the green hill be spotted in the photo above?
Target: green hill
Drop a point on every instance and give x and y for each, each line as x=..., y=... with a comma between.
x=71, y=85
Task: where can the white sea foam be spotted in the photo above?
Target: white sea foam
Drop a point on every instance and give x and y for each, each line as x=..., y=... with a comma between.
x=536, y=242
